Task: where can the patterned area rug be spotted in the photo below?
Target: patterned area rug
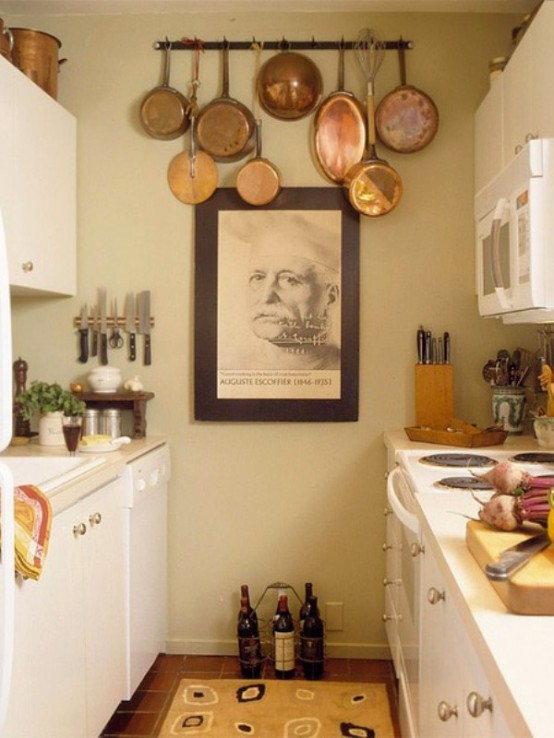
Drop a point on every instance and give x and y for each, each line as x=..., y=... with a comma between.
x=228, y=708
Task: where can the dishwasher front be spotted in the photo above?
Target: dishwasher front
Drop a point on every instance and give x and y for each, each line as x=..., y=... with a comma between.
x=146, y=561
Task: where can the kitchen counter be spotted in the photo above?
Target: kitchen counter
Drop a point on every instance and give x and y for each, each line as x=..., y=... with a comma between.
x=513, y=649
x=69, y=493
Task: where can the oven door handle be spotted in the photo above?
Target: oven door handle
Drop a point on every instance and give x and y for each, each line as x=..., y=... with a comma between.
x=407, y=518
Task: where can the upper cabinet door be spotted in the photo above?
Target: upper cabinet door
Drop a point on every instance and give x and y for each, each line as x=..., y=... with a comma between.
x=516, y=80
x=38, y=194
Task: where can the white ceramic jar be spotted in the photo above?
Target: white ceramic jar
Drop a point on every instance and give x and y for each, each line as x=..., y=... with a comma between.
x=104, y=379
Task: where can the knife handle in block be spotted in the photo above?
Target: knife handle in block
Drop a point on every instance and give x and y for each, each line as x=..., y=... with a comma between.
x=147, y=350
x=132, y=347
x=104, y=348
x=83, y=345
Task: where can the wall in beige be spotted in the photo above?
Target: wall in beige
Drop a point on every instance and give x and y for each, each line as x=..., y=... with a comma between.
x=264, y=502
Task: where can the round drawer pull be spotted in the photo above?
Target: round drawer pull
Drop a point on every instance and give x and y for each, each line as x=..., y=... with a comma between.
x=27, y=266
x=387, y=581
x=416, y=549
x=79, y=530
x=387, y=546
x=447, y=711
x=476, y=705
x=95, y=519
x=434, y=596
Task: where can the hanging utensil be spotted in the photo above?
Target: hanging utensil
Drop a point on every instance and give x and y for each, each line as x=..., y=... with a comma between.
x=374, y=188
x=339, y=132
x=192, y=174
x=289, y=86
x=406, y=119
x=163, y=111
x=258, y=181
x=225, y=128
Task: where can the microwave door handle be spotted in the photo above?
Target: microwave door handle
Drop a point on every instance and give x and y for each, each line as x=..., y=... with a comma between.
x=407, y=518
x=496, y=270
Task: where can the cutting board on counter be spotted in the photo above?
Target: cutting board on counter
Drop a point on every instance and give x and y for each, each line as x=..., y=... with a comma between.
x=530, y=591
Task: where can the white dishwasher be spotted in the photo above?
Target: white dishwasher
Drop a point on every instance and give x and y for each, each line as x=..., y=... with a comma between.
x=146, y=562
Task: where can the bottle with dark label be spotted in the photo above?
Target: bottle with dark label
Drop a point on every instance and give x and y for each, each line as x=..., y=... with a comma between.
x=244, y=593
x=283, y=639
x=250, y=653
x=312, y=642
x=305, y=609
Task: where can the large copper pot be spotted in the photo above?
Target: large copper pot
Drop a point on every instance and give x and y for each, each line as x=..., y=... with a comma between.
x=35, y=53
x=289, y=85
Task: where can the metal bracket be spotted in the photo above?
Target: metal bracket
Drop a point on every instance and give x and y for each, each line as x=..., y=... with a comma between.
x=186, y=44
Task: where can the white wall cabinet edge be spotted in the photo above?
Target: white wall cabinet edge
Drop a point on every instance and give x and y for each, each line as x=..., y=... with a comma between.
x=38, y=187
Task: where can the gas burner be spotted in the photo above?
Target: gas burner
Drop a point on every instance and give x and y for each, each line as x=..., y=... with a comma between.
x=458, y=460
x=535, y=457
x=464, y=483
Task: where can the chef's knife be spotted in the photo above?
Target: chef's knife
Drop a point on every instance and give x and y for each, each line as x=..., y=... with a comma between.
x=144, y=324
x=515, y=557
x=83, y=335
x=102, y=303
x=420, y=344
x=130, y=326
x=94, y=341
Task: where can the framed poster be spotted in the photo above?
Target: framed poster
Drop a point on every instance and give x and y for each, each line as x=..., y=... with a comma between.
x=277, y=307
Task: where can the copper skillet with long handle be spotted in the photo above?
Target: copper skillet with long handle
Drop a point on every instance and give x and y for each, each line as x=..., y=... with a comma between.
x=225, y=128
x=339, y=130
x=373, y=187
x=406, y=119
x=163, y=111
x=192, y=174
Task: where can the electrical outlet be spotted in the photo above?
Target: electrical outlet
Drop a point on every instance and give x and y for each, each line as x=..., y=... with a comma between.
x=334, y=616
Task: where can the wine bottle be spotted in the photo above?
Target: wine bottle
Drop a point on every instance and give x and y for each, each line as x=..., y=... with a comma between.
x=283, y=639
x=305, y=609
x=250, y=653
x=245, y=593
x=312, y=642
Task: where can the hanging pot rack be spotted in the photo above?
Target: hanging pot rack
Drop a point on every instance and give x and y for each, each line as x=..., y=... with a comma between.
x=186, y=44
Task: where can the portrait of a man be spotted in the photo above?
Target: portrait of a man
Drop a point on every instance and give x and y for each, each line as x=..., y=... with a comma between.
x=279, y=290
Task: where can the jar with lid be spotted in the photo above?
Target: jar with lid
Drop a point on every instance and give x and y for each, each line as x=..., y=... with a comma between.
x=91, y=422
x=111, y=422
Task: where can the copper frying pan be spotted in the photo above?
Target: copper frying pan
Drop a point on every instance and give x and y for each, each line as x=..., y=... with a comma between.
x=163, y=111
x=339, y=133
x=406, y=119
x=225, y=128
x=258, y=181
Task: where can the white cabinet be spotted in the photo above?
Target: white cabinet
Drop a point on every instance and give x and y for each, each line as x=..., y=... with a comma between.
x=455, y=696
x=69, y=671
x=520, y=104
x=37, y=187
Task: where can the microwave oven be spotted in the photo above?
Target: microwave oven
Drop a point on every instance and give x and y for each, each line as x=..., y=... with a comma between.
x=514, y=216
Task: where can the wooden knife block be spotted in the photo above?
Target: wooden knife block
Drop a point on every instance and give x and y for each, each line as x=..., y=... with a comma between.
x=434, y=394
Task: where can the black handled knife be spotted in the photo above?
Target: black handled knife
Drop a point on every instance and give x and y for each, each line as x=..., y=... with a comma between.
x=83, y=336
x=515, y=557
x=130, y=326
x=102, y=303
x=144, y=325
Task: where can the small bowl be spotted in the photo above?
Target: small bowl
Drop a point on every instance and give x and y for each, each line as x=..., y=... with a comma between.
x=544, y=430
x=104, y=379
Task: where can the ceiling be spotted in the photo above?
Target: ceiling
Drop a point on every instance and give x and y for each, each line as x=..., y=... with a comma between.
x=86, y=7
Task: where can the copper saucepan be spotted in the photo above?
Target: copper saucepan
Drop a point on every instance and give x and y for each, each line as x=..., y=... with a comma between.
x=289, y=86
x=406, y=119
x=258, y=181
x=225, y=128
x=163, y=111
x=339, y=132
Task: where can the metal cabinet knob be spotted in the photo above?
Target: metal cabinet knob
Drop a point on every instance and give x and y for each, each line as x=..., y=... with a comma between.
x=476, y=705
x=387, y=546
x=27, y=266
x=79, y=530
x=387, y=581
x=416, y=549
x=434, y=596
x=95, y=518
x=387, y=511
x=446, y=711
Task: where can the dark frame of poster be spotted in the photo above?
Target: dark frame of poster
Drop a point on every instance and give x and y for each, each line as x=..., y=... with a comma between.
x=207, y=404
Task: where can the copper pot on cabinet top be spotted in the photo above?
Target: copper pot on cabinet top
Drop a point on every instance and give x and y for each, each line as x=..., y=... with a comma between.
x=35, y=53
x=6, y=41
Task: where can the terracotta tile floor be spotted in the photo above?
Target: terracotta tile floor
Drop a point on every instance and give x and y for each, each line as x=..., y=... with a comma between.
x=142, y=715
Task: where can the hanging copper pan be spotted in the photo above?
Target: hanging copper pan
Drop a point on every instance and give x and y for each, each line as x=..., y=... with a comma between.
x=225, y=128
x=258, y=181
x=406, y=119
x=339, y=132
x=289, y=86
x=163, y=111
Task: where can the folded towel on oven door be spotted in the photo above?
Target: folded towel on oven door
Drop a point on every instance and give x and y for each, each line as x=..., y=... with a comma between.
x=33, y=520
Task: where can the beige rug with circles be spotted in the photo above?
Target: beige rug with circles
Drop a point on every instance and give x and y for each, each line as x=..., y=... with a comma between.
x=229, y=708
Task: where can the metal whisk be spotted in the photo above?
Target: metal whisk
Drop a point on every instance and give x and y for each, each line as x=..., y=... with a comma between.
x=370, y=52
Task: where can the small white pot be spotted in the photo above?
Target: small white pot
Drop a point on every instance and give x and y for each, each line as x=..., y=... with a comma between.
x=50, y=429
x=104, y=379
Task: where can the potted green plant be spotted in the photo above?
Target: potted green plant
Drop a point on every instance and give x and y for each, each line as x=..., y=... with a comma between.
x=51, y=402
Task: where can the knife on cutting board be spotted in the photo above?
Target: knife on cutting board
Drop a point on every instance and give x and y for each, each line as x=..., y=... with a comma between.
x=83, y=335
x=102, y=306
x=144, y=324
x=130, y=325
x=515, y=557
